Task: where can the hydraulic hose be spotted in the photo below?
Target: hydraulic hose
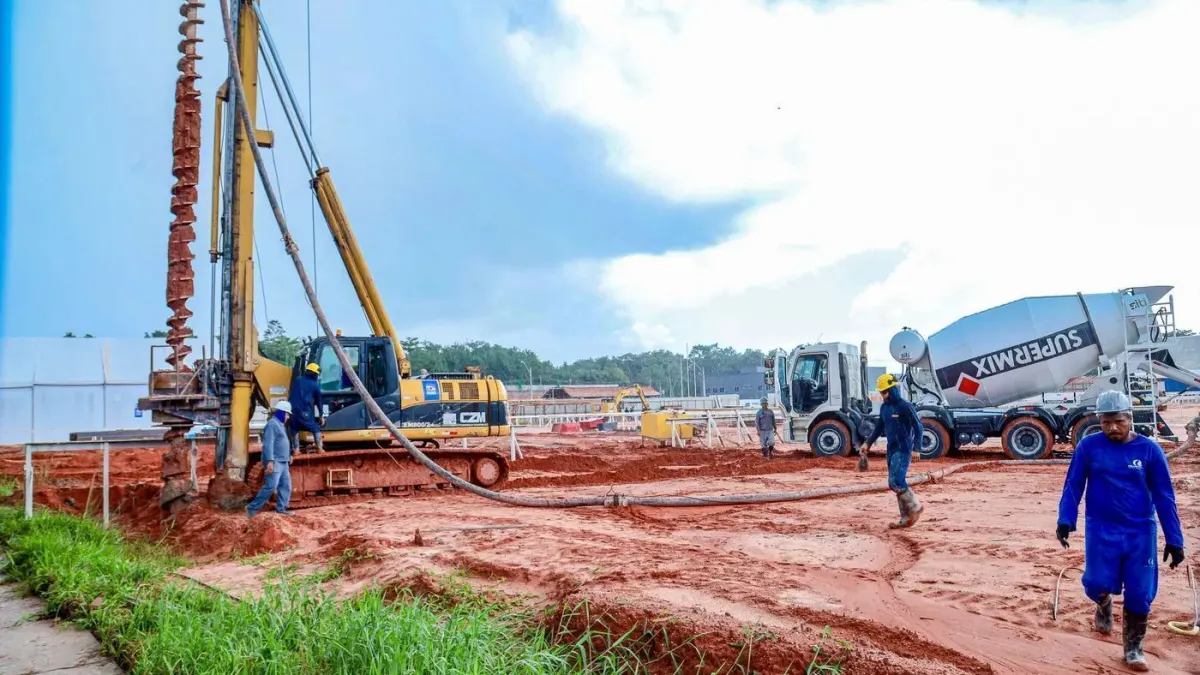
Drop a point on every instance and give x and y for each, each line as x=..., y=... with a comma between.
x=243, y=113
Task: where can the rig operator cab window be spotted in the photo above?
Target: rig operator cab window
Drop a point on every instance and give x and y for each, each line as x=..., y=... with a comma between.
x=333, y=378
x=378, y=372
x=810, y=383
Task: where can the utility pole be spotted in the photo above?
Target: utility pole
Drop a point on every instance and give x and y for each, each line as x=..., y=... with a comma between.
x=682, y=358
x=530, y=373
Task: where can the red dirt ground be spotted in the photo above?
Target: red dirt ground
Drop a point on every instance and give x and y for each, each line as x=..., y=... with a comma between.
x=968, y=590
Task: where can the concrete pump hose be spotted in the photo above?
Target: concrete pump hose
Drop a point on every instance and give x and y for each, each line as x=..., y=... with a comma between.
x=517, y=500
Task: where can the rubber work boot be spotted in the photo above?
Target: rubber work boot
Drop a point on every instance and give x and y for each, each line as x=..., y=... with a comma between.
x=1135, y=632
x=910, y=509
x=1104, y=615
x=904, y=517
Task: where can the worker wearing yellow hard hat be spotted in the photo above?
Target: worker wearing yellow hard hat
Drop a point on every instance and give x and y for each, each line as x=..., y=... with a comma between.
x=898, y=421
x=886, y=381
x=307, y=407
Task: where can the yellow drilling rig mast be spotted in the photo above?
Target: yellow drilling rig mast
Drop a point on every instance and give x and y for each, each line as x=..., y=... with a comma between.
x=224, y=389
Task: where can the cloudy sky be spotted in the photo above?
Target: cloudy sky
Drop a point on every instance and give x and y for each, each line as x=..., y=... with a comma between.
x=584, y=177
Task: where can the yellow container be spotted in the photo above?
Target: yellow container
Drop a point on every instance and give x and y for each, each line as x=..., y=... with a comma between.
x=656, y=427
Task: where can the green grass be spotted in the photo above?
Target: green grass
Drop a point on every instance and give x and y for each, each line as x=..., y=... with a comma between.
x=153, y=621
x=8, y=486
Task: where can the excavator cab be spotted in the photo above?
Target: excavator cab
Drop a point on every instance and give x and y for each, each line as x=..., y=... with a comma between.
x=373, y=359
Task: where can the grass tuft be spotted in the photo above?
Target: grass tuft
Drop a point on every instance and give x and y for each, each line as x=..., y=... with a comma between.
x=8, y=486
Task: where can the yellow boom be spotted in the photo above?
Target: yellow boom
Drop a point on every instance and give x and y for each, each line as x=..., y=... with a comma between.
x=356, y=265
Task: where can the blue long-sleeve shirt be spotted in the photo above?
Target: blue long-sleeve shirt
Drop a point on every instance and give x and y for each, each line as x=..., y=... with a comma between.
x=305, y=397
x=899, y=422
x=1126, y=484
x=275, y=444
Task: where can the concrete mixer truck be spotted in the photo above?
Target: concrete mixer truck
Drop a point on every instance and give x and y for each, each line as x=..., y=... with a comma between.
x=968, y=379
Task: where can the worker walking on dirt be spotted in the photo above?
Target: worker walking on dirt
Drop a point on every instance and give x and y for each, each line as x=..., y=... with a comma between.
x=305, y=398
x=766, y=424
x=1127, y=481
x=899, y=422
x=276, y=458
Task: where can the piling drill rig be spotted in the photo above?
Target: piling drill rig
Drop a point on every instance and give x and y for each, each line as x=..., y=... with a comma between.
x=224, y=389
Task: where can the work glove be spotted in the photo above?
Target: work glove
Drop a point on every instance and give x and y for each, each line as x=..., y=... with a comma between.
x=862, y=457
x=1175, y=553
x=1063, y=532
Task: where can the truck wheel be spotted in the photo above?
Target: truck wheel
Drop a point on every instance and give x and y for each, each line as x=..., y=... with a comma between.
x=829, y=438
x=1086, y=426
x=1026, y=438
x=935, y=439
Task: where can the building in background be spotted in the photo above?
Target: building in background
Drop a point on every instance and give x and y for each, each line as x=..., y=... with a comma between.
x=747, y=384
x=592, y=391
x=52, y=387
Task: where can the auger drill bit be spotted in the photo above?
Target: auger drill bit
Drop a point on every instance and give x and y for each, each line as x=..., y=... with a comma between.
x=185, y=149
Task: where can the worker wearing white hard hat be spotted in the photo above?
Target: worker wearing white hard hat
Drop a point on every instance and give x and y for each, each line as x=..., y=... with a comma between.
x=277, y=459
x=1127, y=482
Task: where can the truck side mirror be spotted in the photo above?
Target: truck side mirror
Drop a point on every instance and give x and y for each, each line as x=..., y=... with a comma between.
x=769, y=363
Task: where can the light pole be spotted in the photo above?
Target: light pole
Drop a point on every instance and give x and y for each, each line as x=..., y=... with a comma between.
x=530, y=373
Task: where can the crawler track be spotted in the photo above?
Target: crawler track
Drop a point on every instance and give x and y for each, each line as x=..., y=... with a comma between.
x=340, y=476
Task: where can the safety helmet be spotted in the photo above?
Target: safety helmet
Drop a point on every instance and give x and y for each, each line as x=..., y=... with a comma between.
x=886, y=381
x=284, y=406
x=763, y=400
x=1113, y=401
x=313, y=368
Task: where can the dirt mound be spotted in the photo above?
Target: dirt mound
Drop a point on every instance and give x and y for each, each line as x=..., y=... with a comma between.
x=354, y=546
x=203, y=533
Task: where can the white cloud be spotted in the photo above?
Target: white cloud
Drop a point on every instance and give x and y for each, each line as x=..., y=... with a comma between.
x=995, y=154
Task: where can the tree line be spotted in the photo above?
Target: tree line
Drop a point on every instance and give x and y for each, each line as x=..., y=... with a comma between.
x=515, y=366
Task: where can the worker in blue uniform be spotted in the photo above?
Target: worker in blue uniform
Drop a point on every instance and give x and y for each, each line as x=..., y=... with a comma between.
x=1127, y=481
x=276, y=459
x=307, y=407
x=899, y=422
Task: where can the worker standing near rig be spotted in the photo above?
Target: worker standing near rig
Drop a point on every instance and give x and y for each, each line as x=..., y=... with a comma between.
x=1127, y=481
x=276, y=458
x=899, y=422
x=305, y=398
x=766, y=424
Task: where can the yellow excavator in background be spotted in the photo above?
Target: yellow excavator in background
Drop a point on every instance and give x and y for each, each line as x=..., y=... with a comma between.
x=224, y=390
x=655, y=424
x=615, y=404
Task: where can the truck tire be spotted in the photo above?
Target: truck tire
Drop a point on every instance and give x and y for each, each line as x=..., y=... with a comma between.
x=829, y=438
x=935, y=439
x=1086, y=426
x=1026, y=438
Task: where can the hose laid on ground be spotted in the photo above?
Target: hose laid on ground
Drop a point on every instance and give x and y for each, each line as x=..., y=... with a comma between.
x=1181, y=628
x=1058, y=587
x=237, y=92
